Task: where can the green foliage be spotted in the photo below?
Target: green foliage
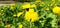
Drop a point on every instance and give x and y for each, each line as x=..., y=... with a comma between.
x=47, y=19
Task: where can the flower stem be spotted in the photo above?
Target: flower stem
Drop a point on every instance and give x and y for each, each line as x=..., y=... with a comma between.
x=30, y=24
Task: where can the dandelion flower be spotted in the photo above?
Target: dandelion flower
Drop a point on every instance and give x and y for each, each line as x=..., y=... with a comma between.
x=33, y=6
x=31, y=15
x=19, y=14
x=25, y=6
x=56, y=10
x=28, y=6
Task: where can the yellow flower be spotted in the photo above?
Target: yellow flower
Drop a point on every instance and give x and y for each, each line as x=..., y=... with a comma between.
x=33, y=6
x=31, y=15
x=20, y=26
x=25, y=6
x=28, y=5
x=56, y=10
x=18, y=14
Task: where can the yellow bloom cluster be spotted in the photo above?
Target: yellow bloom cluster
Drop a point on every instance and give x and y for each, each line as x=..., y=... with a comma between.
x=56, y=10
x=31, y=15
